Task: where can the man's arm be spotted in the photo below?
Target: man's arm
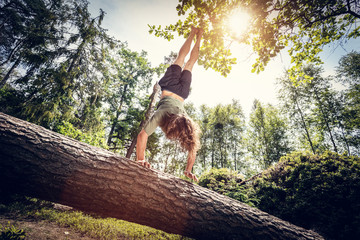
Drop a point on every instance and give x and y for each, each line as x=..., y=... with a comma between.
x=140, y=148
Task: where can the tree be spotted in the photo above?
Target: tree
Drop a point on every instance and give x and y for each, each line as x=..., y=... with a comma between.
x=348, y=70
x=130, y=77
x=205, y=137
x=293, y=106
x=236, y=129
x=72, y=77
x=348, y=73
x=58, y=50
x=318, y=109
x=27, y=29
x=266, y=135
x=40, y=163
x=222, y=131
x=304, y=26
x=318, y=92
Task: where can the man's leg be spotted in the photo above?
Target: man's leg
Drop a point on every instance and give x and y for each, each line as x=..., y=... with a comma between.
x=194, y=55
x=185, y=49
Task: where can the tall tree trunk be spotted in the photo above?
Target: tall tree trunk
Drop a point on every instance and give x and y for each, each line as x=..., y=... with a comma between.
x=18, y=45
x=213, y=152
x=344, y=138
x=235, y=154
x=76, y=57
x=326, y=120
x=7, y=76
x=116, y=120
x=43, y=164
x=305, y=127
x=148, y=114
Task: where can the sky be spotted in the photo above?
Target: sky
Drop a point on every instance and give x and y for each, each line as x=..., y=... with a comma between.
x=127, y=20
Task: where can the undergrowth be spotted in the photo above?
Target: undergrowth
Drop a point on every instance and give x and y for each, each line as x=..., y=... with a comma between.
x=318, y=192
x=11, y=232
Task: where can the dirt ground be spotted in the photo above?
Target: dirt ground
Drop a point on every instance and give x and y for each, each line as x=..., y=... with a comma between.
x=43, y=230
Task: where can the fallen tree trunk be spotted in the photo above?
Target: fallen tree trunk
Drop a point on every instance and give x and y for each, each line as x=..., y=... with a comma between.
x=43, y=164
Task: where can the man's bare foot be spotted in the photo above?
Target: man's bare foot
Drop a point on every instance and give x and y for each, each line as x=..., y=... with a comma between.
x=144, y=163
x=191, y=176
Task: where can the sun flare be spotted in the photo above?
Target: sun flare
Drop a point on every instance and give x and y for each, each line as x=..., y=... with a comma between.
x=238, y=22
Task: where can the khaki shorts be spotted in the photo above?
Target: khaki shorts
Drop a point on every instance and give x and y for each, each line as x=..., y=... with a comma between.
x=167, y=105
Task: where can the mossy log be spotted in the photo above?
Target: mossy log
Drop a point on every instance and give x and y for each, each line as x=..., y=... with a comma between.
x=43, y=164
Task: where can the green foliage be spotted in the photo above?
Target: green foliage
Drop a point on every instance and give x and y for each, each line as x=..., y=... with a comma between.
x=222, y=131
x=10, y=232
x=131, y=75
x=348, y=70
x=348, y=74
x=226, y=182
x=10, y=101
x=305, y=27
x=319, y=192
x=266, y=135
x=321, y=115
x=95, y=138
x=57, y=73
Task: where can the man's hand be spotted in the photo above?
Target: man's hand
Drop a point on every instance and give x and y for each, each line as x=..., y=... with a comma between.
x=191, y=176
x=144, y=163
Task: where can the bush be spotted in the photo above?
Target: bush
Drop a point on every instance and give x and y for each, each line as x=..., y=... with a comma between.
x=319, y=192
x=226, y=182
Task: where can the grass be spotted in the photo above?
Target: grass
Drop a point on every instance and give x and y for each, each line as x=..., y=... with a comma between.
x=11, y=232
x=91, y=226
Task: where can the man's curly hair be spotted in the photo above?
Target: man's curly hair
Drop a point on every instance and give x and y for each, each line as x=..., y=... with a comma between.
x=183, y=129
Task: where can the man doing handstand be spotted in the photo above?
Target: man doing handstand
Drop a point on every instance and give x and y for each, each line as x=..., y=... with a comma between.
x=170, y=114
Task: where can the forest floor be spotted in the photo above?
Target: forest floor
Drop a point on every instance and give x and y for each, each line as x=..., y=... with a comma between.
x=41, y=229
x=40, y=220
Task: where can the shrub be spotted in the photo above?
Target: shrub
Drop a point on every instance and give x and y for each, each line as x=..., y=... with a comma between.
x=320, y=192
x=226, y=182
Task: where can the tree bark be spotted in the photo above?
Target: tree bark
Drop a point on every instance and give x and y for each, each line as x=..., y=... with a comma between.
x=40, y=163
